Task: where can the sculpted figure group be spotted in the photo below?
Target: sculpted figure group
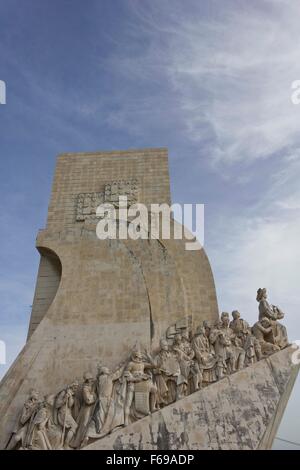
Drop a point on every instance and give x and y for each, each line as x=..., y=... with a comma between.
x=144, y=383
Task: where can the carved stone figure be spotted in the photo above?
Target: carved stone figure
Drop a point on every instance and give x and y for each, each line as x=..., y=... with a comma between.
x=247, y=341
x=205, y=354
x=230, y=354
x=166, y=374
x=250, y=345
x=265, y=309
x=54, y=431
x=224, y=353
x=105, y=382
x=262, y=330
x=88, y=400
x=109, y=409
x=274, y=314
x=195, y=375
x=141, y=395
x=39, y=437
x=237, y=324
x=189, y=368
x=207, y=328
x=238, y=351
x=20, y=435
x=64, y=414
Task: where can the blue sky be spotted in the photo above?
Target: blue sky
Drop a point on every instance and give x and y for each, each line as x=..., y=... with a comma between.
x=210, y=80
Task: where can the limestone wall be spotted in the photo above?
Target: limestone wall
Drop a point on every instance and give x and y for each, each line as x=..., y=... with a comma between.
x=111, y=293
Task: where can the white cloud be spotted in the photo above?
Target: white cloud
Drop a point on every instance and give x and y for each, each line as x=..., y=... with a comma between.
x=259, y=252
x=231, y=70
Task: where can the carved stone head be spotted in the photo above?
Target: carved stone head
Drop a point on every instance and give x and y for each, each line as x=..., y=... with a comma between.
x=225, y=318
x=49, y=400
x=265, y=322
x=137, y=356
x=185, y=335
x=104, y=370
x=222, y=339
x=177, y=338
x=34, y=394
x=207, y=327
x=164, y=345
x=74, y=385
x=236, y=314
x=261, y=294
x=88, y=377
x=200, y=330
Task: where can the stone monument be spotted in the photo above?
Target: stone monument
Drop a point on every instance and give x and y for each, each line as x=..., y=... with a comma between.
x=126, y=348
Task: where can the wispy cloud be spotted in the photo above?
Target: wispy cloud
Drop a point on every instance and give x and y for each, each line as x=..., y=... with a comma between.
x=258, y=252
x=229, y=67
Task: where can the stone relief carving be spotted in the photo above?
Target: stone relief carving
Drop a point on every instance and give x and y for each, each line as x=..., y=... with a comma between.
x=115, y=189
x=146, y=382
x=87, y=203
x=22, y=431
x=166, y=374
x=278, y=331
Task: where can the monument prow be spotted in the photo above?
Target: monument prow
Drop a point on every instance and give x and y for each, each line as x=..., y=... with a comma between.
x=241, y=412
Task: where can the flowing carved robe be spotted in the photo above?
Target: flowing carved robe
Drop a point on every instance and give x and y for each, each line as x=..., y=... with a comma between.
x=85, y=413
x=205, y=356
x=109, y=410
x=166, y=375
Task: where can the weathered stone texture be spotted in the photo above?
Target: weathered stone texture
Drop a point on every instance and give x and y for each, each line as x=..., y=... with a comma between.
x=89, y=172
x=240, y=412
